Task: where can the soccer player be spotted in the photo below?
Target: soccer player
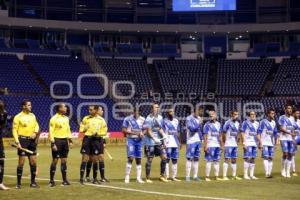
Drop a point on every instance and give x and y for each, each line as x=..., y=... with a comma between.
x=230, y=139
x=286, y=127
x=171, y=128
x=154, y=142
x=133, y=129
x=193, y=149
x=249, y=138
x=102, y=144
x=4, y=117
x=92, y=126
x=60, y=137
x=25, y=132
x=296, y=115
x=212, y=145
x=267, y=133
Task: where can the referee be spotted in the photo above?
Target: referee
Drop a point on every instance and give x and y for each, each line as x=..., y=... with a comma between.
x=3, y=121
x=93, y=127
x=60, y=137
x=25, y=131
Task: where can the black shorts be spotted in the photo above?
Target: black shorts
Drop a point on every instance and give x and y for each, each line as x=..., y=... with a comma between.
x=27, y=143
x=156, y=150
x=2, y=154
x=92, y=146
x=62, y=146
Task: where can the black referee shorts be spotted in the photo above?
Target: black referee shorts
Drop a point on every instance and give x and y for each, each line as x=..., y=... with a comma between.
x=27, y=143
x=92, y=145
x=62, y=146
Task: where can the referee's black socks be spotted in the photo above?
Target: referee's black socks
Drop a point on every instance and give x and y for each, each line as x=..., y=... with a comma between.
x=82, y=169
x=88, y=168
x=33, y=172
x=1, y=171
x=19, y=174
x=95, y=169
x=101, y=169
x=63, y=168
x=52, y=171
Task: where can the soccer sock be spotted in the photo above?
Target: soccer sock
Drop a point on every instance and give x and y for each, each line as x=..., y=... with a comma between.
x=101, y=168
x=19, y=174
x=270, y=166
x=207, y=170
x=246, y=167
x=288, y=167
x=252, y=167
x=148, y=168
x=188, y=167
x=138, y=172
x=233, y=166
x=88, y=168
x=128, y=169
x=266, y=166
x=95, y=169
x=174, y=168
x=216, y=168
x=163, y=167
x=33, y=172
x=195, y=168
x=82, y=169
x=1, y=171
x=293, y=164
x=63, y=169
x=52, y=171
x=225, y=168
x=167, y=170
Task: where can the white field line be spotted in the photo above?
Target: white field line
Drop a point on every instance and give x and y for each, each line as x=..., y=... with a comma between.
x=138, y=190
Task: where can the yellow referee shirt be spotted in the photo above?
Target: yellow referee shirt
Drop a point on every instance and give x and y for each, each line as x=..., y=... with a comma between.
x=59, y=127
x=93, y=126
x=24, y=124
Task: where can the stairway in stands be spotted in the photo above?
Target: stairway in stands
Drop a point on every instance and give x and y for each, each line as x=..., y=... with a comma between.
x=36, y=76
x=267, y=87
x=212, y=76
x=155, y=79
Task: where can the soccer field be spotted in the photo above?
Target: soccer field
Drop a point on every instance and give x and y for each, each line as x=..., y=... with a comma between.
x=275, y=188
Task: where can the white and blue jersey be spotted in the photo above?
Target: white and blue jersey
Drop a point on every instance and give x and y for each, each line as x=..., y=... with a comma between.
x=213, y=131
x=297, y=131
x=231, y=130
x=171, y=129
x=268, y=135
x=155, y=123
x=134, y=143
x=194, y=136
x=286, y=140
x=249, y=128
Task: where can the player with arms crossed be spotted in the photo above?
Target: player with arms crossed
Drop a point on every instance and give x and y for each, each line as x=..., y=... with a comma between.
x=249, y=138
x=25, y=132
x=231, y=130
x=193, y=144
x=171, y=128
x=296, y=142
x=286, y=127
x=212, y=145
x=133, y=129
x=154, y=142
x=60, y=137
x=267, y=133
x=92, y=126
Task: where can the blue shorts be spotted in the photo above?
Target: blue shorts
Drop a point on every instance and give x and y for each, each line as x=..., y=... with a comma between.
x=231, y=152
x=213, y=154
x=134, y=147
x=267, y=152
x=297, y=140
x=287, y=146
x=156, y=150
x=193, y=150
x=173, y=153
x=250, y=152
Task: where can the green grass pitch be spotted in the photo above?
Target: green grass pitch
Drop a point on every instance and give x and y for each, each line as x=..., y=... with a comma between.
x=275, y=188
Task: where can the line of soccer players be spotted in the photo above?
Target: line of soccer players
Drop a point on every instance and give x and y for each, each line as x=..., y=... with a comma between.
x=161, y=137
